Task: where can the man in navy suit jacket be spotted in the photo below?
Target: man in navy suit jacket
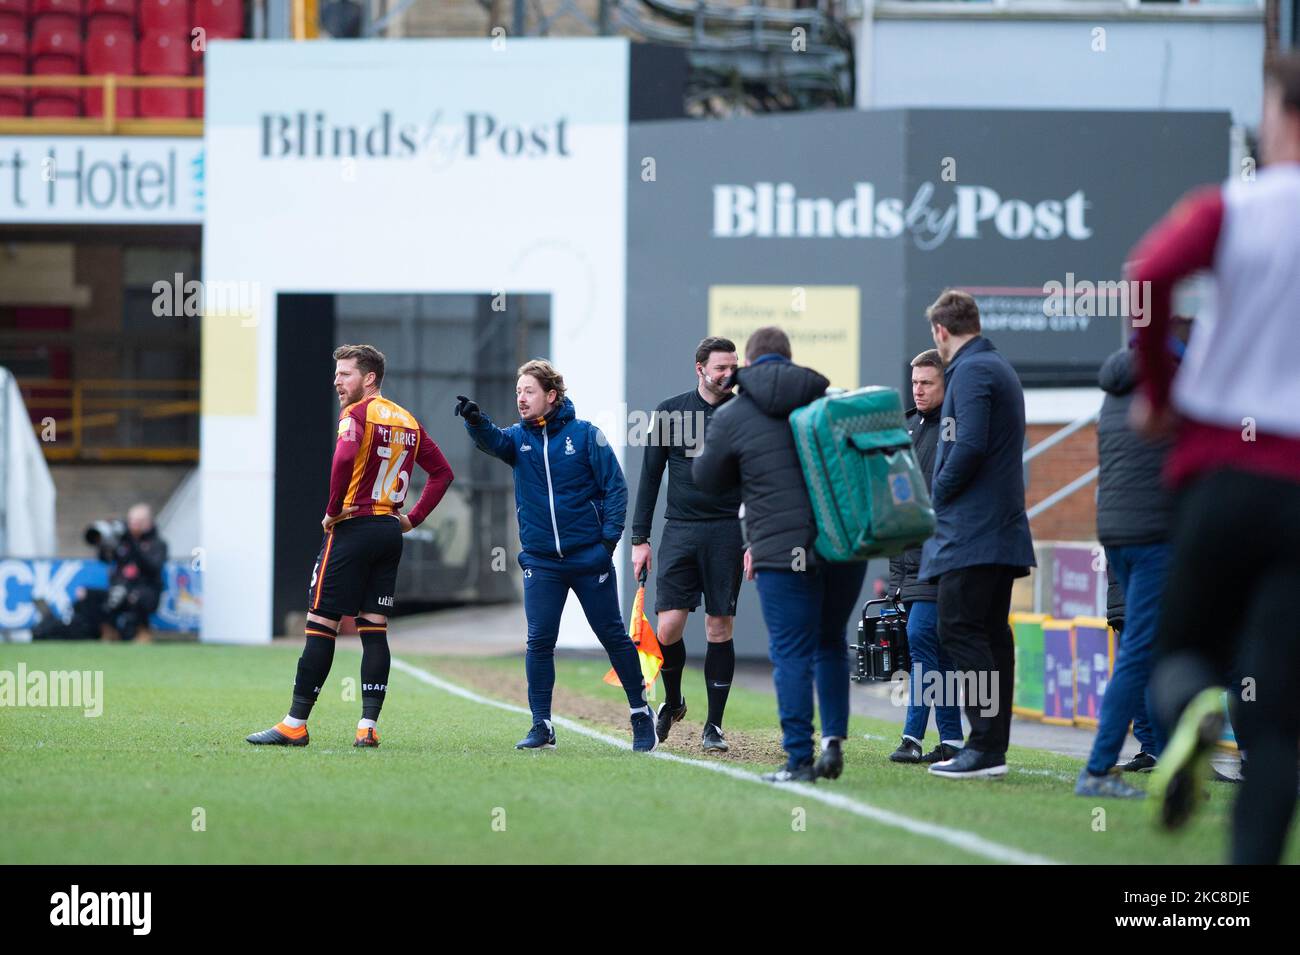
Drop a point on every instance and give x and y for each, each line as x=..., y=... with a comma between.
x=981, y=543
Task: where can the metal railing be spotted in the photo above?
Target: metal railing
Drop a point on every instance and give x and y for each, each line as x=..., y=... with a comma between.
x=110, y=122
x=1082, y=481
x=87, y=405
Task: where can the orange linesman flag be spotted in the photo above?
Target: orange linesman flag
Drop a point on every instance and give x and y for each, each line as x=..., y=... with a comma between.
x=647, y=646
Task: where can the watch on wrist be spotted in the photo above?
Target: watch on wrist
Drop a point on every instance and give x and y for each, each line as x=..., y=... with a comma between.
x=639, y=540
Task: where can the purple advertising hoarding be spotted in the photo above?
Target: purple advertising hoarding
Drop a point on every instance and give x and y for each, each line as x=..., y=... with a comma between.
x=1092, y=667
x=1058, y=673
x=1078, y=582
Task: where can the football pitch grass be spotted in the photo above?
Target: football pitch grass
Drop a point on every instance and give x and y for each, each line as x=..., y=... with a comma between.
x=164, y=776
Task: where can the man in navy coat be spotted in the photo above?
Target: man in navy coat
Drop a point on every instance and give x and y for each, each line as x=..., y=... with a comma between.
x=982, y=542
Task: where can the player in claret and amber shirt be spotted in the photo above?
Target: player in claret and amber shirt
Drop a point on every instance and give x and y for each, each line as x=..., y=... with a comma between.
x=356, y=570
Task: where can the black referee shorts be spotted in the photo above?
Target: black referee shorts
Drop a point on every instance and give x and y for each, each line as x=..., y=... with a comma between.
x=700, y=557
x=356, y=570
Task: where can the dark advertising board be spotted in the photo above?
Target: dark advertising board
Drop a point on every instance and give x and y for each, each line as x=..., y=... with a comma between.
x=842, y=226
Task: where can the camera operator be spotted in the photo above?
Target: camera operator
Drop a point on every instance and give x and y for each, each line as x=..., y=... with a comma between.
x=135, y=554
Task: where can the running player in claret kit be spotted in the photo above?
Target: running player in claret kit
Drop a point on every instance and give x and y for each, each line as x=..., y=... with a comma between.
x=356, y=570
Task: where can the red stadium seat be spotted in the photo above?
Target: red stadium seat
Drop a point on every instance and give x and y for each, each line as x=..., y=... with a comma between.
x=222, y=19
x=13, y=43
x=58, y=35
x=111, y=51
x=70, y=8
x=123, y=9
x=13, y=60
x=110, y=16
x=164, y=103
x=163, y=54
x=60, y=106
x=56, y=65
x=196, y=96
x=108, y=23
x=166, y=16
x=13, y=50
x=13, y=55
x=55, y=100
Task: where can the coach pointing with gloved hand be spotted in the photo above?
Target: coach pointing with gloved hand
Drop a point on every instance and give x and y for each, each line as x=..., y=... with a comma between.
x=572, y=503
x=469, y=411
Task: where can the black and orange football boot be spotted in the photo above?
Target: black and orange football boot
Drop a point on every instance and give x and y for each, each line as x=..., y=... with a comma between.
x=367, y=737
x=281, y=735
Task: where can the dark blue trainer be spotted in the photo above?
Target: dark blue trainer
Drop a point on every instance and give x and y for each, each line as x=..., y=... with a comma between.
x=539, y=737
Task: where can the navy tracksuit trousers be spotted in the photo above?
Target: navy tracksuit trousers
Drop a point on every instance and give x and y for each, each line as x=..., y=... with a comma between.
x=547, y=582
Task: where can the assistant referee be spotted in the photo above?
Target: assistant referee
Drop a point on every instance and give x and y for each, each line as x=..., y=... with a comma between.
x=702, y=550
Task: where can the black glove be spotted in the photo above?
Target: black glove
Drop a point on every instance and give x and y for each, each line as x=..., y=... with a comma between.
x=610, y=546
x=469, y=411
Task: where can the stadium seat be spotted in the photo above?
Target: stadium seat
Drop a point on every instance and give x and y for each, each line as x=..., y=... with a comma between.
x=107, y=14
x=13, y=45
x=111, y=51
x=13, y=20
x=14, y=7
x=166, y=16
x=58, y=35
x=222, y=19
x=164, y=54
x=13, y=60
x=55, y=65
x=56, y=106
x=71, y=8
x=117, y=8
x=196, y=96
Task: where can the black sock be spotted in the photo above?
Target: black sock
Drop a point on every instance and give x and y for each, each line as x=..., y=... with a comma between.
x=674, y=661
x=375, y=660
x=313, y=668
x=719, y=668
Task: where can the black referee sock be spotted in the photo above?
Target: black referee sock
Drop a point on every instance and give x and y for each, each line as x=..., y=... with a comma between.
x=313, y=667
x=719, y=668
x=375, y=662
x=674, y=661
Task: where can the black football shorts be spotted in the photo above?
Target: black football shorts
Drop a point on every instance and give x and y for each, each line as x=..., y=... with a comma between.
x=356, y=569
x=700, y=557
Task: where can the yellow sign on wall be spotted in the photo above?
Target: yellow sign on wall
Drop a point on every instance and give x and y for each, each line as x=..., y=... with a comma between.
x=229, y=350
x=821, y=320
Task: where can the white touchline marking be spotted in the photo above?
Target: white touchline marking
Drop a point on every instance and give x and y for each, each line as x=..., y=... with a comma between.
x=1064, y=777
x=966, y=841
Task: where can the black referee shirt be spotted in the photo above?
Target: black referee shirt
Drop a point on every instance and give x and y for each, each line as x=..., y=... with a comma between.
x=679, y=427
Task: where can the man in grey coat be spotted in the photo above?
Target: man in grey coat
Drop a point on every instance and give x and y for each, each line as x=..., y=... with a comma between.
x=981, y=542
